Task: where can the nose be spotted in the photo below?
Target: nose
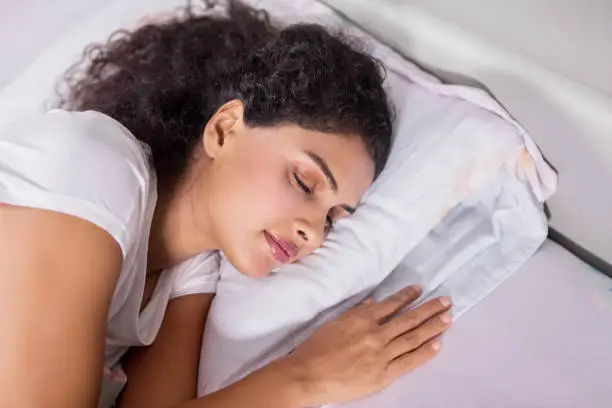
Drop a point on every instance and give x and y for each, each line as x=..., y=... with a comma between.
x=310, y=232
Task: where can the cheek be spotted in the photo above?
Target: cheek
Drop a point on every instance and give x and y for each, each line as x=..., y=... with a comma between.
x=251, y=196
x=257, y=194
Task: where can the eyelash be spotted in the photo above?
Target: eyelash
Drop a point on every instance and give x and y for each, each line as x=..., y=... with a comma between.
x=302, y=185
x=329, y=222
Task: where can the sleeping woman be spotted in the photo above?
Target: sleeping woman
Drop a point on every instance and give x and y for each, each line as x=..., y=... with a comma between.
x=175, y=143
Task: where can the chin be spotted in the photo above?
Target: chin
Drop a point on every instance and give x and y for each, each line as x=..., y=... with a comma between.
x=249, y=267
x=255, y=273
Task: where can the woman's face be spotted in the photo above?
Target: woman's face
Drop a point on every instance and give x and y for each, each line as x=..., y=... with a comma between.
x=273, y=193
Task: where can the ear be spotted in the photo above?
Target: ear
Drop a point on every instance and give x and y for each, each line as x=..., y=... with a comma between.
x=222, y=126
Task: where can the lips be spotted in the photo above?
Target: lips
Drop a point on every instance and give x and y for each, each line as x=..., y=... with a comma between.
x=282, y=251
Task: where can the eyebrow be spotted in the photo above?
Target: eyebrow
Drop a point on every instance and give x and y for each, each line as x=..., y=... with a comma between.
x=325, y=169
x=330, y=177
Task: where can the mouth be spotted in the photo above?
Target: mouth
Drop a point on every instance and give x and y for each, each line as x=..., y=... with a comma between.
x=282, y=251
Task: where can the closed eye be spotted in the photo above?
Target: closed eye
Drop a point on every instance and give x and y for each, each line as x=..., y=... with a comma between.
x=329, y=221
x=302, y=185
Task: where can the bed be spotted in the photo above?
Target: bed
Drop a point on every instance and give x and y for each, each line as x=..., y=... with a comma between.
x=542, y=338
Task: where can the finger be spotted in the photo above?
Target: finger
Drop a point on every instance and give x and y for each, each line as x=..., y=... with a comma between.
x=414, y=359
x=396, y=302
x=413, y=318
x=416, y=338
x=360, y=307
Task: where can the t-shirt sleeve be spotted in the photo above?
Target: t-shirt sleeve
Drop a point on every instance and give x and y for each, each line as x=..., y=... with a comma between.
x=83, y=164
x=197, y=275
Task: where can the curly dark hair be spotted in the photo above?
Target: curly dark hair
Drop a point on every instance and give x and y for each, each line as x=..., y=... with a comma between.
x=164, y=81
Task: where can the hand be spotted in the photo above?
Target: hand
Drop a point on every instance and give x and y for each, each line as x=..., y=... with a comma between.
x=369, y=346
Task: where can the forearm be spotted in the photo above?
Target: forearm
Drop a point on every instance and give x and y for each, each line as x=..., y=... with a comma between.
x=165, y=373
x=279, y=385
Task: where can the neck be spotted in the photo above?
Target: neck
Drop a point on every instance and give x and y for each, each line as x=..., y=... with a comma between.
x=175, y=237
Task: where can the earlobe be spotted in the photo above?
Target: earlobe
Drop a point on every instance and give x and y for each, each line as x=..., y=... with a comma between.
x=222, y=127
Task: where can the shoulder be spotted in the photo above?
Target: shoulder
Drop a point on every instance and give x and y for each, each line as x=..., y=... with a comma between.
x=80, y=163
x=76, y=140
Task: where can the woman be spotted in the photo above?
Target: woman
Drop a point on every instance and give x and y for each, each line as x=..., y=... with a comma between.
x=199, y=135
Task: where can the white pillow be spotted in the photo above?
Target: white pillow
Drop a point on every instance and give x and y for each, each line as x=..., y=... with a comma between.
x=453, y=211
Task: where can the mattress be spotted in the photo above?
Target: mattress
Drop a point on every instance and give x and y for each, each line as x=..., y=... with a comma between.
x=542, y=339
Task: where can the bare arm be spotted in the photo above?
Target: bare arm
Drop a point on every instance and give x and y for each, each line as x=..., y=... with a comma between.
x=166, y=372
x=58, y=274
x=353, y=356
x=281, y=384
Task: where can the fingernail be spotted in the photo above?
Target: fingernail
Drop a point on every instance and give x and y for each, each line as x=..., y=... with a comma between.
x=445, y=318
x=414, y=289
x=435, y=345
x=444, y=301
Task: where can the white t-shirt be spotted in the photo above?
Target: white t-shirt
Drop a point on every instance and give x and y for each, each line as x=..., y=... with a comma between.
x=88, y=165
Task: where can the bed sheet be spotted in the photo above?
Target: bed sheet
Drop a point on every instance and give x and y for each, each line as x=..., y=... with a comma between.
x=28, y=27
x=542, y=339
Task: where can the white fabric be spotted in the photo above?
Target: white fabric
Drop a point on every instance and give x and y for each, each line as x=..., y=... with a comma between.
x=559, y=95
x=542, y=339
x=46, y=162
x=89, y=166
